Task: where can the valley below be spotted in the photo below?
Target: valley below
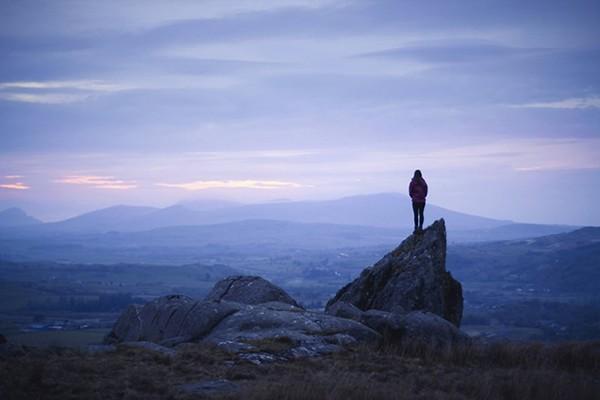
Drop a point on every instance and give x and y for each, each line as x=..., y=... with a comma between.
x=70, y=279
x=532, y=289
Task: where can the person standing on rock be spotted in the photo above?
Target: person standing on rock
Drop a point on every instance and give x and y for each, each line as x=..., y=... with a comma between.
x=418, y=192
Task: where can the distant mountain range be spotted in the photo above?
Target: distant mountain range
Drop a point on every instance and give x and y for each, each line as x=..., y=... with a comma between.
x=386, y=210
x=391, y=213
x=16, y=217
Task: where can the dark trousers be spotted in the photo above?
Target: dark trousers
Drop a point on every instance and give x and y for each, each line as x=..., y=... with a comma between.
x=418, y=209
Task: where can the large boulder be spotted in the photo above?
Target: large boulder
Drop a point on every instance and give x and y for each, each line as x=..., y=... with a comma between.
x=429, y=329
x=176, y=319
x=345, y=310
x=412, y=277
x=128, y=327
x=411, y=327
x=248, y=290
x=311, y=330
x=168, y=318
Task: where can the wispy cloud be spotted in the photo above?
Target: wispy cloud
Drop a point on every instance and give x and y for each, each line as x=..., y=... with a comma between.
x=232, y=184
x=57, y=92
x=567, y=104
x=65, y=92
x=91, y=85
x=99, y=182
x=453, y=51
x=13, y=176
x=43, y=98
x=14, y=186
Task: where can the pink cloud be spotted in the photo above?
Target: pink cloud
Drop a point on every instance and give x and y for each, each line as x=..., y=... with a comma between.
x=98, y=182
x=14, y=186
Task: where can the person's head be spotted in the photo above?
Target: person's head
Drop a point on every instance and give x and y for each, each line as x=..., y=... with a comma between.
x=417, y=174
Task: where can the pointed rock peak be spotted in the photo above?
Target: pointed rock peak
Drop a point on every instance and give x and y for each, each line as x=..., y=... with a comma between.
x=438, y=228
x=433, y=235
x=412, y=277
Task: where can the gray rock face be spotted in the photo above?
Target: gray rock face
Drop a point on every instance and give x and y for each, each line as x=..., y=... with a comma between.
x=202, y=316
x=248, y=290
x=431, y=329
x=172, y=320
x=411, y=277
x=343, y=309
x=386, y=323
x=161, y=318
x=315, y=332
x=128, y=327
x=419, y=326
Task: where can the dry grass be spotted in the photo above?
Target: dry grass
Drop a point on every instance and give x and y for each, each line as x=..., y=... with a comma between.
x=406, y=371
x=568, y=356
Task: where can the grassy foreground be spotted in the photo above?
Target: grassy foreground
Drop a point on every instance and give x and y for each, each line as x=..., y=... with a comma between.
x=408, y=371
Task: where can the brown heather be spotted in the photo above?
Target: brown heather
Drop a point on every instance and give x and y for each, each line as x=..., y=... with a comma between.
x=406, y=371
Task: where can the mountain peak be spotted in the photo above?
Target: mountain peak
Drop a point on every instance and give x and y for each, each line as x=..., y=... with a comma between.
x=13, y=211
x=14, y=216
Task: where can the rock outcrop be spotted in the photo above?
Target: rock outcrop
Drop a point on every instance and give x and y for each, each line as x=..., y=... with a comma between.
x=396, y=326
x=234, y=325
x=407, y=295
x=311, y=332
x=170, y=318
x=412, y=277
x=431, y=329
x=248, y=290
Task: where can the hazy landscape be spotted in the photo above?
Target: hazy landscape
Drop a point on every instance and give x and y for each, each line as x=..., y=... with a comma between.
x=521, y=281
x=299, y=199
x=63, y=289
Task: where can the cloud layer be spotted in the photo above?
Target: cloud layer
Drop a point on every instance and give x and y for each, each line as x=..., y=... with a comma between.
x=300, y=99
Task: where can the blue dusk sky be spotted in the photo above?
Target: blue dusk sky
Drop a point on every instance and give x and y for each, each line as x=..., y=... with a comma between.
x=152, y=103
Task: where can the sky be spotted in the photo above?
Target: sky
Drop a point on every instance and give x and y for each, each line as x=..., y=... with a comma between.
x=153, y=103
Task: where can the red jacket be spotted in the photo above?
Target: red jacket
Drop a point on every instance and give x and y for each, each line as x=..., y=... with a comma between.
x=418, y=190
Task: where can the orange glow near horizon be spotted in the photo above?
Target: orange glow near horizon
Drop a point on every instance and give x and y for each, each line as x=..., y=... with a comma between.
x=14, y=186
x=98, y=182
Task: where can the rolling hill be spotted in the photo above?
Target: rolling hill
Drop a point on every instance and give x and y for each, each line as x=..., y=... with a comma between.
x=566, y=262
x=386, y=210
x=15, y=217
